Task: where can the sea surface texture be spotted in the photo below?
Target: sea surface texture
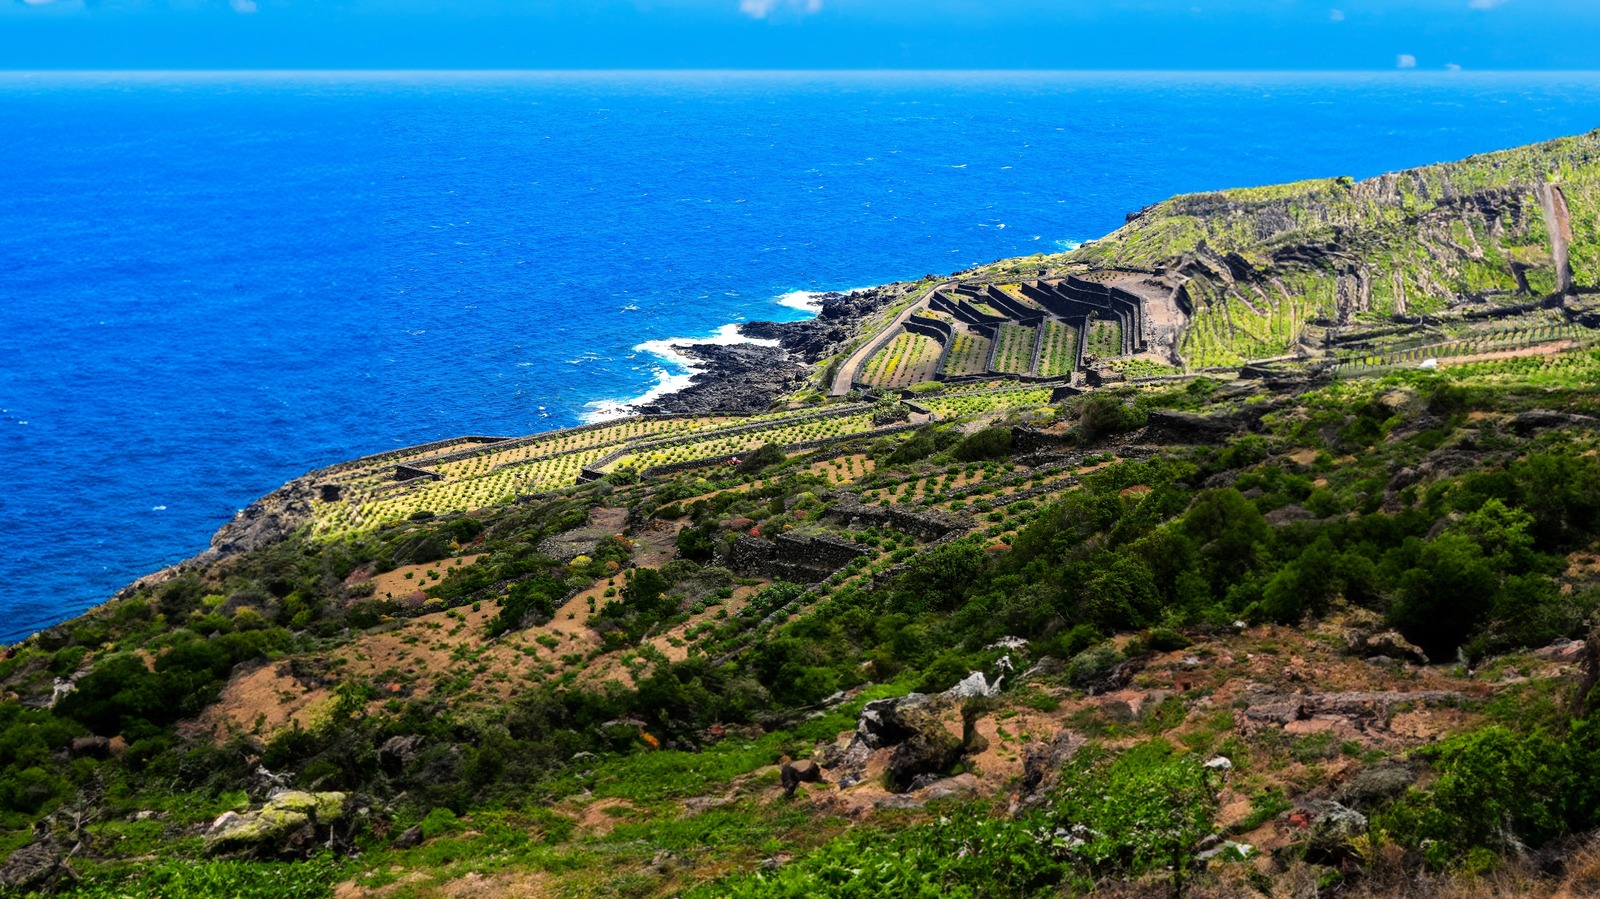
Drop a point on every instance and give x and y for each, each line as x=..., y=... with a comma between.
x=212, y=284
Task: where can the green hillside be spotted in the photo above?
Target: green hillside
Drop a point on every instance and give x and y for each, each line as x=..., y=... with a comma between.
x=1322, y=626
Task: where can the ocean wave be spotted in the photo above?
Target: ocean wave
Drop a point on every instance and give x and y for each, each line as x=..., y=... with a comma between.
x=810, y=300
x=676, y=372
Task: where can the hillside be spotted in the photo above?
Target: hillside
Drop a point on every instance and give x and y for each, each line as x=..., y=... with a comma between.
x=1043, y=580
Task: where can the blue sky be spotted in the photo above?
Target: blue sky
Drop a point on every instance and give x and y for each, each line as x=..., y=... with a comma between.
x=801, y=34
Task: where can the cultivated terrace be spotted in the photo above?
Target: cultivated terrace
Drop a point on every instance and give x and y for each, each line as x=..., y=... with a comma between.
x=1204, y=624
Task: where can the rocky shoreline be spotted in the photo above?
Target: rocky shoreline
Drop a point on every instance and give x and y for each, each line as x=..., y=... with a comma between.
x=749, y=378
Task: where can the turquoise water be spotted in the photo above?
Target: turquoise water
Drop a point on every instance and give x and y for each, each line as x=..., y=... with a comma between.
x=212, y=284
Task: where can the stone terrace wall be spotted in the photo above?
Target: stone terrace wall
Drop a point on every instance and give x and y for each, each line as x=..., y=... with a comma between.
x=800, y=560
x=928, y=525
x=421, y=448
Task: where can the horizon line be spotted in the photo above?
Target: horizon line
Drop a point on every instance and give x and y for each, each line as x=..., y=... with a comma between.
x=789, y=71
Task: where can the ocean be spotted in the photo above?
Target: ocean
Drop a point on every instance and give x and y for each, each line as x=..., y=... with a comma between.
x=210, y=284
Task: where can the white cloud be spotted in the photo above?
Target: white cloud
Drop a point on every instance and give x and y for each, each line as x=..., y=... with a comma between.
x=1452, y=67
x=1484, y=4
x=1336, y=15
x=243, y=7
x=1405, y=61
x=760, y=9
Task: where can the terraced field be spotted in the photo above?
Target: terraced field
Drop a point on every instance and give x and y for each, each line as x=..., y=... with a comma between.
x=1105, y=339
x=969, y=353
x=979, y=402
x=1059, y=353
x=906, y=360
x=472, y=476
x=712, y=446
x=1015, y=355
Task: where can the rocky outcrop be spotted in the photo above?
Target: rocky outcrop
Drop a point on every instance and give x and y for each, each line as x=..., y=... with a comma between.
x=742, y=378
x=914, y=740
x=291, y=823
x=33, y=867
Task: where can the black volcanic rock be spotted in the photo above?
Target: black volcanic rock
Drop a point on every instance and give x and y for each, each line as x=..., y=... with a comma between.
x=739, y=378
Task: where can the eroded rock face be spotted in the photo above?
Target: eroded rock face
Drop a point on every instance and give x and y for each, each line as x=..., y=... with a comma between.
x=287, y=825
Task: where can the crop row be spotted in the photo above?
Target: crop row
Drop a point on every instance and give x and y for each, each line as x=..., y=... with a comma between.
x=907, y=359
x=968, y=355
x=1015, y=355
x=734, y=444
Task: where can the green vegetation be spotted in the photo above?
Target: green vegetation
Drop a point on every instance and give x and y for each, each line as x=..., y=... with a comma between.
x=1058, y=354
x=1015, y=355
x=969, y=353
x=1218, y=616
x=906, y=360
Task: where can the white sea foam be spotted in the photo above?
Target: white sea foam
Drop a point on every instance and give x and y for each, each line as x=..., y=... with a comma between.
x=677, y=369
x=674, y=374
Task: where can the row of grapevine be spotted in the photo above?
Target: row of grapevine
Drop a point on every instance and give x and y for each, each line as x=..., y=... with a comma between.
x=906, y=360
x=1058, y=354
x=1015, y=355
x=968, y=355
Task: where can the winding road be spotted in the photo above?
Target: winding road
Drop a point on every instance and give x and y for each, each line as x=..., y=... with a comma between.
x=845, y=377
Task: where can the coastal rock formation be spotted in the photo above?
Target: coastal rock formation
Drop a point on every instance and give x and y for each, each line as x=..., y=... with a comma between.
x=743, y=378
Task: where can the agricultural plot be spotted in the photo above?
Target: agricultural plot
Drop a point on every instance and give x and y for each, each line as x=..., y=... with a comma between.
x=561, y=443
x=1105, y=339
x=1058, y=354
x=1015, y=355
x=714, y=446
x=969, y=353
x=1143, y=368
x=907, y=359
x=1014, y=292
x=988, y=401
x=1477, y=343
x=552, y=461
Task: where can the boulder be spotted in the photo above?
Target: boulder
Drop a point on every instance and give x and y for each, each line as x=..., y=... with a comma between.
x=974, y=686
x=1372, y=786
x=91, y=747
x=793, y=774
x=924, y=733
x=929, y=747
x=32, y=867
x=1391, y=644
x=397, y=753
x=1330, y=827
x=1041, y=762
x=409, y=838
x=286, y=825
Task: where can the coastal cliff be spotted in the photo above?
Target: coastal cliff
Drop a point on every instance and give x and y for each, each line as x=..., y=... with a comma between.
x=1320, y=620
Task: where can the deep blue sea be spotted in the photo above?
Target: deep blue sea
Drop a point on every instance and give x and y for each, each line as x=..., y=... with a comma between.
x=210, y=284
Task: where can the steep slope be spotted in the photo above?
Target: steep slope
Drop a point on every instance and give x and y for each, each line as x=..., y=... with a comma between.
x=1257, y=266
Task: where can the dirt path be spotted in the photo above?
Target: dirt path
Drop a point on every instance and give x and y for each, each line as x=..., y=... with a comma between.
x=846, y=376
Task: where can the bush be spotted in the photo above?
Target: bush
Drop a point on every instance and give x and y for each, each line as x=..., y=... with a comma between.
x=768, y=455
x=1103, y=414
x=1091, y=667
x=989, y=443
